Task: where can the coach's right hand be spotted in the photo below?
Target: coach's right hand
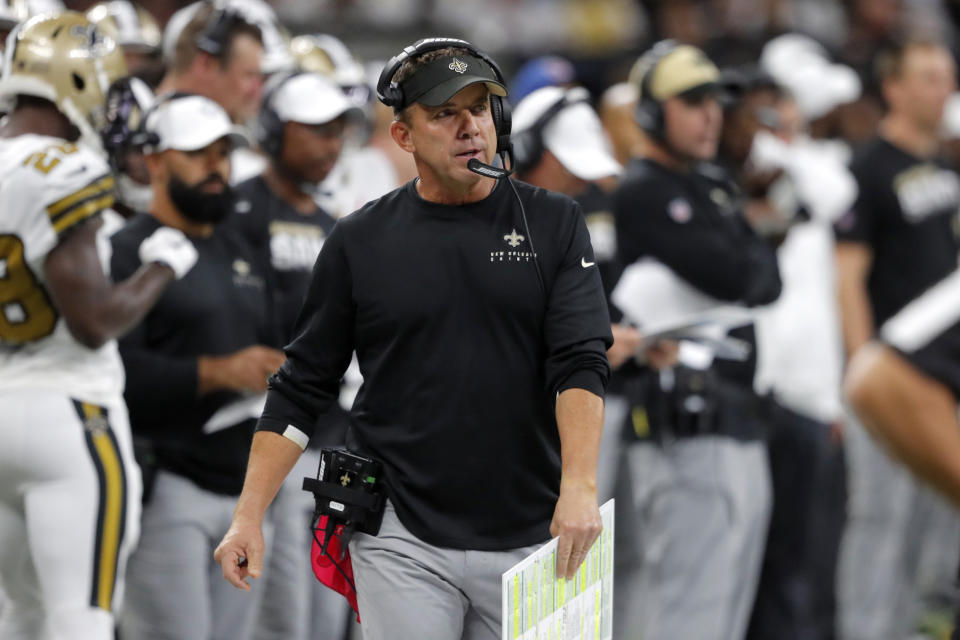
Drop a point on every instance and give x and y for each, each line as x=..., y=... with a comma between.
x=240, y=553
x=244, y=370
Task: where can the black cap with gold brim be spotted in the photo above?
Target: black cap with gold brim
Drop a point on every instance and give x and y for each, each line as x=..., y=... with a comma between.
x=685, y=70
x=439, y=80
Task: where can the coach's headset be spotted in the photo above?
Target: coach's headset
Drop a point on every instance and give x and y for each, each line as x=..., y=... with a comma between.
x=528, y=145
x=269, y=126
x=397, y=95
x=699, y=72
x=394, y=94
x=143, y=136
x=212, y=39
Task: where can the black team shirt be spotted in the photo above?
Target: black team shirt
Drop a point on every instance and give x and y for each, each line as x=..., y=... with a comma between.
x=691, y=222
x=906, y=212
x=461, y=352
x=219, y=307
x=290, y=239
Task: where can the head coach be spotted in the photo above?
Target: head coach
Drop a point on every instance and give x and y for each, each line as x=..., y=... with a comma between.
x=478, y=317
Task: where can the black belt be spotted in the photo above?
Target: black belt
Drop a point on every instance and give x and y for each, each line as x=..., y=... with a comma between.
x=699, y=403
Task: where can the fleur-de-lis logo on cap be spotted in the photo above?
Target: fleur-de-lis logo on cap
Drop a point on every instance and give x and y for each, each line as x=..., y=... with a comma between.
x=457, y=66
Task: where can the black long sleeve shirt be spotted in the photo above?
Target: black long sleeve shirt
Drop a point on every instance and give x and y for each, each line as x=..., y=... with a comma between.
x=691, y=222
x=219, y=307
x=289, y=241
x=461, y=351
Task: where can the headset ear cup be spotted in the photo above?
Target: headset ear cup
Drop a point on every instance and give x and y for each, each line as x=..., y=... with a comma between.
x=523, y=149
x=649, y=116
x=270, y=126
x=269, y=131
x=503, y=122
x=527, y=148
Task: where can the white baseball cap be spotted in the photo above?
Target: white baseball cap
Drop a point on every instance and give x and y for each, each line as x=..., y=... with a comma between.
x=574, y=135
x=189, y=123
x=802, y=66
x=310, y=98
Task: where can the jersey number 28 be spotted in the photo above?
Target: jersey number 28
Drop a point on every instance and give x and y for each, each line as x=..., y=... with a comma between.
x=26, y=313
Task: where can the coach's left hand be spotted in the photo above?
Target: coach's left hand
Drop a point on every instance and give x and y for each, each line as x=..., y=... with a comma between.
x=576, y=521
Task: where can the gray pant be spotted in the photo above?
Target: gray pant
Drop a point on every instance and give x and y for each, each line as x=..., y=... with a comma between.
x=407, y=588
x=691, y=524
x=615, y=409
x=899, y=548
x=175, y=591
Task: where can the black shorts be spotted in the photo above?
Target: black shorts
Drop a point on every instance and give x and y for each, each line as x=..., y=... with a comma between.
x=927, y=332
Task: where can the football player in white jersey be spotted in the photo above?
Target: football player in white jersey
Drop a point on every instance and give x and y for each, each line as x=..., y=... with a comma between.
x=69, y=488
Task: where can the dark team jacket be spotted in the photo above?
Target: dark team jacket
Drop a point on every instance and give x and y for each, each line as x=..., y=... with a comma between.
x=289, y=242
x=691, y=222
x=290, y=239
x=219, y=307
x=461, y=351
x=906, y=212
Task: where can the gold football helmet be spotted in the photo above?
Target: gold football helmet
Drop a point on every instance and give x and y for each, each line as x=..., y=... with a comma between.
x=310, y=56
x=130, y=25
x=66, y=59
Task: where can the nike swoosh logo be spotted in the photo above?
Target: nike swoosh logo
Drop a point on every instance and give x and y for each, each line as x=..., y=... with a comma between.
x=585, y=264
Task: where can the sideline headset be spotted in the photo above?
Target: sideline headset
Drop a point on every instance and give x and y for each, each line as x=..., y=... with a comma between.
x=391, y=93
x=269, y=127
x=649, y=112
x=213, y=38
x=144, y=137
x=528, y=145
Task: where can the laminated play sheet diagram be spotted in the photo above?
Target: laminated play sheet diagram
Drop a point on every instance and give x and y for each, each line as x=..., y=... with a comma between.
x=537, y=605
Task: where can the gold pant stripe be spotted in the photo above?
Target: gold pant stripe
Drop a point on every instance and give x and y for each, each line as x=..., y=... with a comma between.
x=105, y=183
x=112, y=512
x=111, y=525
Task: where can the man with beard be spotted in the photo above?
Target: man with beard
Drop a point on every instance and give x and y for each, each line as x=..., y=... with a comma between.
x=196, y=367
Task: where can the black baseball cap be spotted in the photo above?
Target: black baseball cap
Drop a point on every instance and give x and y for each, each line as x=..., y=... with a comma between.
x=439, y=80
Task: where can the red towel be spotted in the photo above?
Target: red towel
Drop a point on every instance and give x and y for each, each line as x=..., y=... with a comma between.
x=326, y=571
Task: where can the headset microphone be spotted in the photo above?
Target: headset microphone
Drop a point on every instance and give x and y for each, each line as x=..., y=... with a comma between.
x=487, y=170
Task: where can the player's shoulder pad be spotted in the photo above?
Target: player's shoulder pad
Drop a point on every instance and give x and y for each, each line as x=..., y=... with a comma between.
x=74, y=181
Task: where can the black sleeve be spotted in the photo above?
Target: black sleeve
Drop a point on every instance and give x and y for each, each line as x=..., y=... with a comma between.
x=157, y=384
x=738, y=267
x=577, y=324
x=859, y=223
x=308, y=383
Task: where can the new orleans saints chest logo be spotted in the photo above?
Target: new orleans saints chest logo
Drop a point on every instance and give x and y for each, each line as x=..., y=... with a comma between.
x=514, y=240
